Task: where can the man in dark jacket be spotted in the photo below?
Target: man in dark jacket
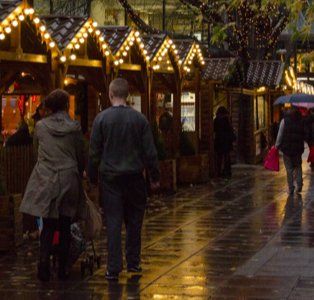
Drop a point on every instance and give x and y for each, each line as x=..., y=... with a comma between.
x=21, y=136
x=290, y=140
x=121, y=146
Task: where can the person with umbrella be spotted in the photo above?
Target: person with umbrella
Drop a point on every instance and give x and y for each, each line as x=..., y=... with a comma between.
x=290, y=141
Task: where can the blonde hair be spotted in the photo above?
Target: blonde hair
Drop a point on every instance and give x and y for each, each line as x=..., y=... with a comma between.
x=119, y=88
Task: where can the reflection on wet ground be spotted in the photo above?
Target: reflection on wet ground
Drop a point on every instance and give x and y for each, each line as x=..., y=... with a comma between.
x=242, y=238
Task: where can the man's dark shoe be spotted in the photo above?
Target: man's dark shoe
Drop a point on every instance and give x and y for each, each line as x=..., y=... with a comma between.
x=112, y=276
x=135, y=269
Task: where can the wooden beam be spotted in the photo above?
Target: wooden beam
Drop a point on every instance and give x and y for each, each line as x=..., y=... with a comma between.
x=23, y=57
x=82, y=62
x=130, y=67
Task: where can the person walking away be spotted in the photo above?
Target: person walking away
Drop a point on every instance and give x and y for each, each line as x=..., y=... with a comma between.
x=309, y=130
x=21, y=136
x=290, y=141
x=223, y=141
x=54, y=191
x=121, y=146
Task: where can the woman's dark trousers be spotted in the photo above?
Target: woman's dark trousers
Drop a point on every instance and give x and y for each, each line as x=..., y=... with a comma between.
x=124, y=199
x=63, y=225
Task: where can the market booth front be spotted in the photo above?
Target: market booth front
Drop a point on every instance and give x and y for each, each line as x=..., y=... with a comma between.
x=253, y=106
x=193, y=162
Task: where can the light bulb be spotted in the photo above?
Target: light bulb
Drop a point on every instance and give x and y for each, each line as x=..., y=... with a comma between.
x=73, y=57
x=21, y=17
x=63, y=58
x=36, y=20
x=52, y=44
x=2, y=36
x=8, y=29
x=15, y=23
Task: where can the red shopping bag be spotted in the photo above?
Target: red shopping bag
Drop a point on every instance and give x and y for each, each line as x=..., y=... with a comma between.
x=272, y=160
x=310, y=159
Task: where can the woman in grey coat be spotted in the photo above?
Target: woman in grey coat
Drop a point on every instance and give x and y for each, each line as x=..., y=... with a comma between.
x=54, y=190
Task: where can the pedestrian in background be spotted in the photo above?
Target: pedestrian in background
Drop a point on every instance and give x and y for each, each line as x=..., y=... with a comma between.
x=223, y=141
x=54, y=190
x=121, y=146
x=309, y=129
x=290, y=141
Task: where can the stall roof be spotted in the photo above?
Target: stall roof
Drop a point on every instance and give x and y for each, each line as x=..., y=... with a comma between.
x=266, y=73
x=152, y=43
x=157, y=49
x=63, y=29
x=7, y=7
x=217, y=68
x=115, y=36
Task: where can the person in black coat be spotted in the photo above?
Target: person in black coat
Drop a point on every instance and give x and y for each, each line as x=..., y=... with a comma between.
x=21, y=136
x=224, y=138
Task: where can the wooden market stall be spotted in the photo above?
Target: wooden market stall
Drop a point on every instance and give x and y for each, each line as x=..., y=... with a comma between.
x=192, y=164
x=80, y=66
x=213, y=94
x=126, y=59
x=253, y=107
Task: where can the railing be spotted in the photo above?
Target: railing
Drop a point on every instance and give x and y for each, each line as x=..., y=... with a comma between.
x=17, y=163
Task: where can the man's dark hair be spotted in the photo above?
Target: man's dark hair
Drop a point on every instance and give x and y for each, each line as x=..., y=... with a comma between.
x=57, y=100
x=119, y=87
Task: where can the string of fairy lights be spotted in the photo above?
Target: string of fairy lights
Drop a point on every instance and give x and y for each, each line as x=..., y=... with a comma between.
x=140, y=24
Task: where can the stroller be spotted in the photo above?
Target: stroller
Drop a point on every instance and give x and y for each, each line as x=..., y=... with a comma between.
x=81, y=240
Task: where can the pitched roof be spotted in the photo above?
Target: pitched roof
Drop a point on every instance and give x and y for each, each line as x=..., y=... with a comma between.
x=63, y=29
x=217, y=68
x=115, y=36
x=183, y=47
x=152, y=43
x=7, y=7
x=264, y=73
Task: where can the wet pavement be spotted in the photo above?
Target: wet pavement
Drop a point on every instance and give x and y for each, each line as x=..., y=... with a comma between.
x=242, y=238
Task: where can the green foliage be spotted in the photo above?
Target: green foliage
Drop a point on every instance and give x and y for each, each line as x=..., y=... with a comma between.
x=158, y=140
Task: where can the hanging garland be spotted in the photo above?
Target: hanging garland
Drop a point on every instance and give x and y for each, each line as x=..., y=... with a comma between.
x=137, y=20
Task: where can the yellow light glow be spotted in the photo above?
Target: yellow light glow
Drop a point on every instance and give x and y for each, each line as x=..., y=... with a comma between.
x=124, y=53
x=42, y=28
x=137, y=34
x=8, y=29
x=101, y=38
x=2, y=36
x=90, y=29
x=131, y=43
x=104, y=46
x=116, y=62
x=170, y=42
x=107, y=53
x=77, y=46
x=31, y=11
x=26, y=11
x=127, y=48
x=15, y=23
x=46, y=35
x=21, y=17
x=70, y=46
x=85, y=34
x=66, y=82
x=36, y=20
x=63, y=58
x=142, y=45
x=121, y=61
x=82, y=40
x=73, y=57
x=52, y=44
x=97, y=32
x=95, y=24
x=145, y=51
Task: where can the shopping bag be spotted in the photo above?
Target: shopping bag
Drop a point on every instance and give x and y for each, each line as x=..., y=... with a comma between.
x=93, y=221
x=310, y=158
x=272, y=160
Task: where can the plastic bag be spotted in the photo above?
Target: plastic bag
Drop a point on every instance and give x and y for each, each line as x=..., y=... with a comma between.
x=272, y=160
x=93, y=221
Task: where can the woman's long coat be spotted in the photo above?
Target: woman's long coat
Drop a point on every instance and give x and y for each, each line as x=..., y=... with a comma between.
x=54, y=187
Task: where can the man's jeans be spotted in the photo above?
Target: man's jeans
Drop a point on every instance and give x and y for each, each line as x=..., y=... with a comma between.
x=293, y=165
x=124, y=199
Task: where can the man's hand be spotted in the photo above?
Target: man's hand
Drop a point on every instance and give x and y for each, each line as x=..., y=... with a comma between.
x=155, y=186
